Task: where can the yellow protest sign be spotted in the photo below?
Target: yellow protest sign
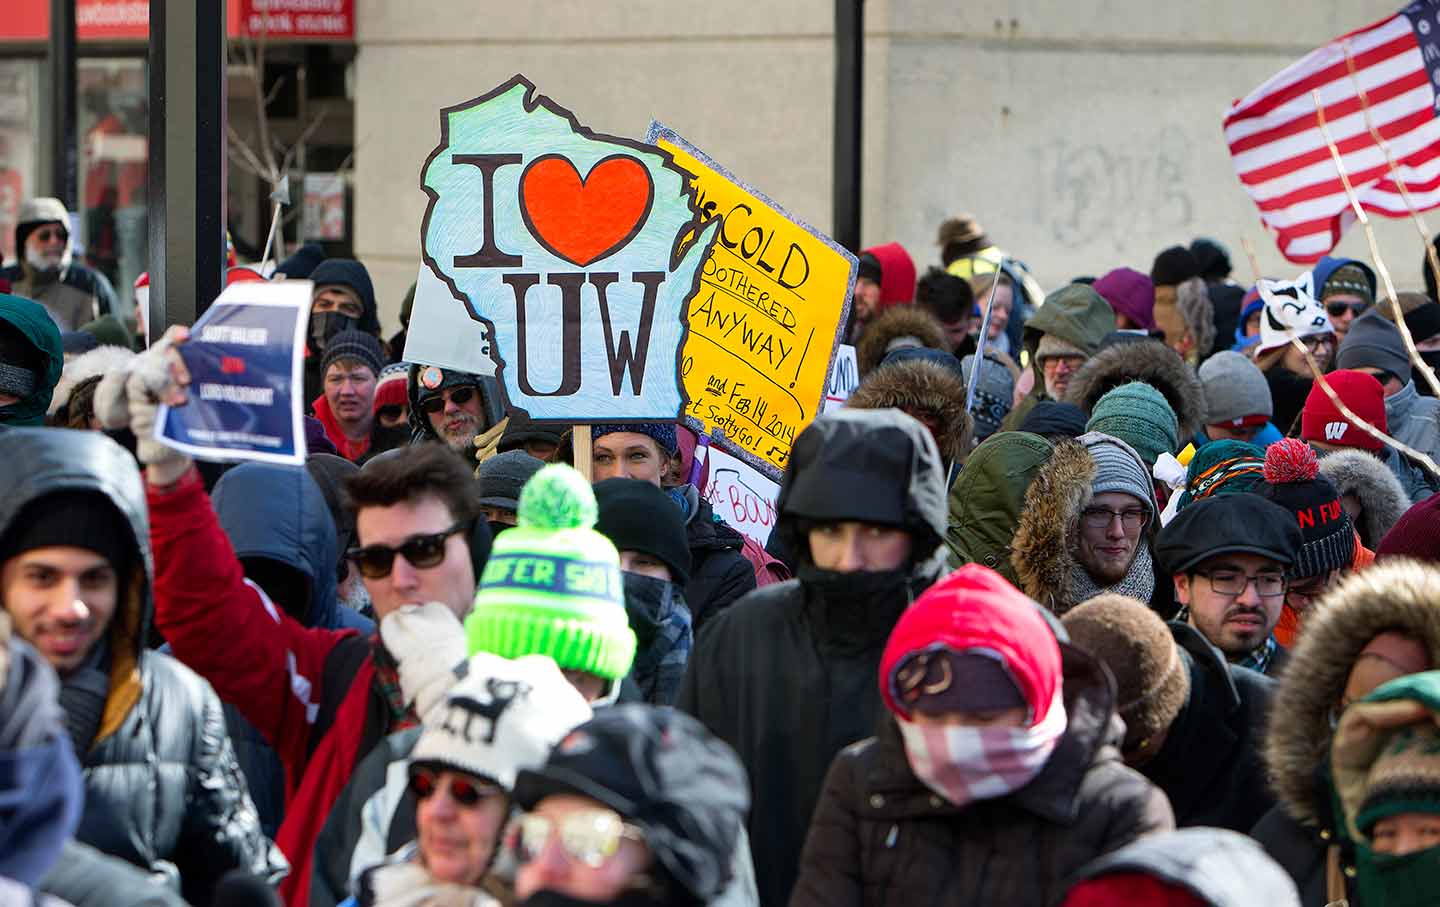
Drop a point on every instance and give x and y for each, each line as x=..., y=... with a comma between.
x=773, y=299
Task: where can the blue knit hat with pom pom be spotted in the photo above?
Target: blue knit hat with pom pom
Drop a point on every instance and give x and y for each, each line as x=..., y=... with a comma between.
x=552, y=585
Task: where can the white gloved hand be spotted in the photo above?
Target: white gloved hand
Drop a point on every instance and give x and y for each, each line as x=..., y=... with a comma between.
x=428, y=643
x=130, y=398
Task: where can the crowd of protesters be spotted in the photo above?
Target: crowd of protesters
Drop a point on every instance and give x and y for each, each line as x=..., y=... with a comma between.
x=1154, y=621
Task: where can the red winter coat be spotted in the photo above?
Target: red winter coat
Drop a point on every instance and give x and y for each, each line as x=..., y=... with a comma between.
x=308, y=691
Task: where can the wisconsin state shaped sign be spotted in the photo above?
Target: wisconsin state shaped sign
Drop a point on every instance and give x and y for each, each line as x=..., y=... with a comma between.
x=568, y=244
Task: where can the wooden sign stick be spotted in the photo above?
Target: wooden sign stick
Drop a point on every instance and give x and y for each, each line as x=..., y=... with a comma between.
x=1374, y=247
x=1250, y=254
x=583, y=451
x=1348, y=413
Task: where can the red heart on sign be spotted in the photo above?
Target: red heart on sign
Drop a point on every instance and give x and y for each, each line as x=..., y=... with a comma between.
x=584, y=220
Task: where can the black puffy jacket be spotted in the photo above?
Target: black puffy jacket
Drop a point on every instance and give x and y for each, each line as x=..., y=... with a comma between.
x=162, y=787
x=719, y=573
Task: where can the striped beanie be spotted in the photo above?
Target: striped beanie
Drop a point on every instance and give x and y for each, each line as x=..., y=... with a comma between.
x=1222, y=467
x=391, y=389
x=552, y=584
x=1119, y=468
x=1293, y=480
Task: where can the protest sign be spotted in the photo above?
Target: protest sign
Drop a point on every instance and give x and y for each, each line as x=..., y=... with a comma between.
x=740, y=494
x=844, y=378
x=245, y=357
x=567, y=244
x=443, y=333
x=763, y=329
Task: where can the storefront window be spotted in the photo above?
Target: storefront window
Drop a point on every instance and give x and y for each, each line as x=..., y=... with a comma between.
x=19, y=125
x=112, y=170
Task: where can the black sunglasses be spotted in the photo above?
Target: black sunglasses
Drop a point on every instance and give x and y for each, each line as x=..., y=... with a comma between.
x=390, y=412
x=1338, y=308
x=460, y=396
x=421, y=552
x=424, y=782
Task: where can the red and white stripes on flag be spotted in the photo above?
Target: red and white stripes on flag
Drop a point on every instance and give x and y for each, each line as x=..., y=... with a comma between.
x=1282, y=159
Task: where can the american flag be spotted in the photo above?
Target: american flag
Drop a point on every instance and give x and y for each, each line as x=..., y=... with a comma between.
x=1281, y=156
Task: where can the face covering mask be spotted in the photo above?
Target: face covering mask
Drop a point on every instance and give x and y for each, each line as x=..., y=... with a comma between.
x=324, y=325
x=1410, y=880
x=965, y=764
x=1432, y=359
x=497, y=528
x=863, y=604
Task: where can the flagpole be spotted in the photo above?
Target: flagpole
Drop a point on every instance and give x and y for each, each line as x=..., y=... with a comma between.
x=984, y=336
x=1419, y=363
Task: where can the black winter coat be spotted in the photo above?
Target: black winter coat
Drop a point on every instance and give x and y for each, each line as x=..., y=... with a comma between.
x=788, y=678
x=881, y=838
x=1210, y=765
x=719, y=573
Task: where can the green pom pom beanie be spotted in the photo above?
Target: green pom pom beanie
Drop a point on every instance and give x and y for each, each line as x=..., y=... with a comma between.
x=552, y=585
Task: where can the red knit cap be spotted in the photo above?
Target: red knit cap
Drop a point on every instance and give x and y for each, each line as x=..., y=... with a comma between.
x=974, y=608
x=1321, y=419
x=1131, y=888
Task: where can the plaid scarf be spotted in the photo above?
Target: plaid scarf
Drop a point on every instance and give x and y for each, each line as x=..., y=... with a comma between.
x=661, y=621
x=1260, y=659
x=387, y=681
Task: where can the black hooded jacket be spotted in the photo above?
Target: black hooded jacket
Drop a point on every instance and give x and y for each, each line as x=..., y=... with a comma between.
x=162, y=788
x=787, y=677
x=1209, y=765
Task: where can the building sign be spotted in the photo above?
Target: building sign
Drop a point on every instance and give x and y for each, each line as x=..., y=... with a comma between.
x=129, y=20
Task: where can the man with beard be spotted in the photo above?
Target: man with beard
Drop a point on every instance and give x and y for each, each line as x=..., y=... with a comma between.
x=451, y=407
x=1087, y=525
x=786, y=675
x=72, y=293
x=1228, y=556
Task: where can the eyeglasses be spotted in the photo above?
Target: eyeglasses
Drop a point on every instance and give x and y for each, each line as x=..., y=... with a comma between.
x=1336, y=308
x=590, y=836
x=459, y=396
x=421, y=551
x=45, y=234
x=390, y=413
x=424, y=782
x=1100, y=517
x=1313, y=342
x=1233, y=582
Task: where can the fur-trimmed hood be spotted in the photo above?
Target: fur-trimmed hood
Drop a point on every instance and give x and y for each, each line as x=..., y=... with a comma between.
x=99, y=361
x=926, y=390
x=988, y=498
x=1381, y=495
x=1396, y=594
x=1149, y=361
x=891, y=325
x=1041, y=552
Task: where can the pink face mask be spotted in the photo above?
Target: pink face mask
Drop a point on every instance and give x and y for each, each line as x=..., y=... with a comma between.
x=964, y=764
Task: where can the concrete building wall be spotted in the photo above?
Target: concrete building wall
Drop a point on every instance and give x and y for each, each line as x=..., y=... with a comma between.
x=1084, y=134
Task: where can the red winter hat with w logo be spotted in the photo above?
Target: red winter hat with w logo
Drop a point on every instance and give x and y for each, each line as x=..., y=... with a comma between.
x=1322, y=421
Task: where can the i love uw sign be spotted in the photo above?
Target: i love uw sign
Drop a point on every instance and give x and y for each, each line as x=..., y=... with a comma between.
x=568, y=245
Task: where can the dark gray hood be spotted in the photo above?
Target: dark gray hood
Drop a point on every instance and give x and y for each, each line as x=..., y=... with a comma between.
x=876, y=465
x=1225, y=868
x=41, y=461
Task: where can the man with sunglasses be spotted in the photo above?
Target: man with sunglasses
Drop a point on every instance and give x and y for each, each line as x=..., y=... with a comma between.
x=46, y=272
x=638, y=806
x=323, y=698
x=451, y=407
x=1228, y=557
x=1346, y=288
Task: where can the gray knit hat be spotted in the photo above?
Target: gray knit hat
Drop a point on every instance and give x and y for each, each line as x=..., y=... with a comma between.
x=1118, y=468
x=993, y=395
x=502, y=476
x=1373, y=341
x=357, y=345
x=1235, y=389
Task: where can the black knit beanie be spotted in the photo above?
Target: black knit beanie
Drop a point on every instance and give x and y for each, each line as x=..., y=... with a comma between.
x=637, y=516
x=77, y=518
